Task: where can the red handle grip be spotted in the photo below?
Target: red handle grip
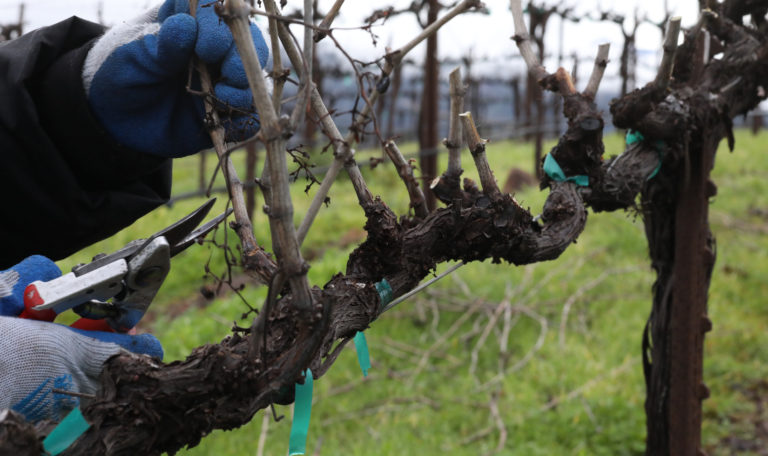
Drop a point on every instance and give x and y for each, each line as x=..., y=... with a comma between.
x=32, y=299
x=92, y=325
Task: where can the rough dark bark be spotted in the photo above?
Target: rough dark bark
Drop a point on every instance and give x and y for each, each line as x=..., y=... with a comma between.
x=682, y=253
x=18, y=437
x=684, y=122
x=220, y=386
x=694, y=260
x=691, y=118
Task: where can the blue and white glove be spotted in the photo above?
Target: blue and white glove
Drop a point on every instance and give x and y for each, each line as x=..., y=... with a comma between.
x=37, y=357
x=136, y=76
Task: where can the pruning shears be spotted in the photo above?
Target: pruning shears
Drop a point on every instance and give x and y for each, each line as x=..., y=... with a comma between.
x=119, y=287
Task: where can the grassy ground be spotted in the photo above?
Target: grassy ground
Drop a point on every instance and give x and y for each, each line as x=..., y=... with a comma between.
x=537, y=360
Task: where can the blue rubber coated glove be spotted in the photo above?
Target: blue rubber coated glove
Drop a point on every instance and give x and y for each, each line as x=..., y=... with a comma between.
x=136, y=78
x=38, y=357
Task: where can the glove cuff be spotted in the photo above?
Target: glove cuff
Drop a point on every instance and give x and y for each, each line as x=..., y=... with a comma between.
x=113, y=39
x=104, y=164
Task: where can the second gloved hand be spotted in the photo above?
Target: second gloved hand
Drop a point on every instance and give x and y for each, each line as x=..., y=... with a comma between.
x=136, y=78
x=42, y=364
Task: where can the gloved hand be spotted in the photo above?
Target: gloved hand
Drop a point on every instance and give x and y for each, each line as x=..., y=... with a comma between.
x=136, y=77
x=37, y=357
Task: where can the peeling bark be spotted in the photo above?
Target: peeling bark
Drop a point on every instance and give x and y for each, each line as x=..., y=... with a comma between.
x=692, y=117
x=18, y=437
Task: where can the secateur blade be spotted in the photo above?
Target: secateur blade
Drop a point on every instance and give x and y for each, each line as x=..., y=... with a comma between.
x=179, y=230
x=174, y=234
x=198, y=233
x=130, y=277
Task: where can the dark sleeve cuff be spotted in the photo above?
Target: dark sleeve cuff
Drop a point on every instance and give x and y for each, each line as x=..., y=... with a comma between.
x=98, y=161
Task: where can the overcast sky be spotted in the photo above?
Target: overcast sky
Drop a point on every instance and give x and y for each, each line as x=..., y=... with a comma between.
x=483, y=35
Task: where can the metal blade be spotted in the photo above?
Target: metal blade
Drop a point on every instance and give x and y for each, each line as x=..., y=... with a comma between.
x=198, y=233
x=179, y=230
x=174, y=234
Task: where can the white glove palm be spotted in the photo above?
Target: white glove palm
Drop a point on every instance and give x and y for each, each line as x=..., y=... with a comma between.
x=37, y=358
x=41, y=362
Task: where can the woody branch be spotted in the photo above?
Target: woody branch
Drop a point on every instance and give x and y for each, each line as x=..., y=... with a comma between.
x=274, y=132
x=255, y=259
x=446, y=187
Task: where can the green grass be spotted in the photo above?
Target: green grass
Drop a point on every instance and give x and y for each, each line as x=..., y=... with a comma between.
x=582, y=395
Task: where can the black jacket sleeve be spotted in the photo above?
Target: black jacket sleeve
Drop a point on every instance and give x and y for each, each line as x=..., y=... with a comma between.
x=64, y=183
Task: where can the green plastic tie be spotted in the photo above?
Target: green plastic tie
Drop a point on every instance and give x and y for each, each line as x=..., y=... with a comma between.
x=66, y=432
x=655, y=170
x=361, y=344
x=363, y=357
x=385, y=292
x=634, y=136
x=302, y=410
x=553, y=170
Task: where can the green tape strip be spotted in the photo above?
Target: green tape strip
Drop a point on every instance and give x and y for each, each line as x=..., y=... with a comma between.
x=385, y=292
x=655, y=170
x=363, y=357
x=553, y=170
x=65, y=434
x=302, y=410
x=634, y=137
